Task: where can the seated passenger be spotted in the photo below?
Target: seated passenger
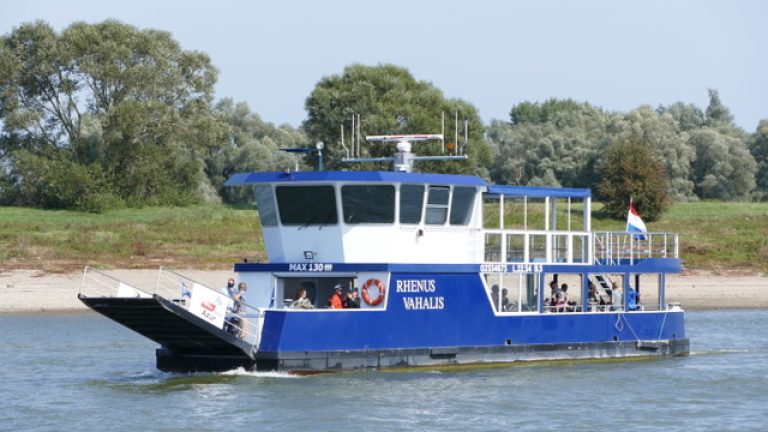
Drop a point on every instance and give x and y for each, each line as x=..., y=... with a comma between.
x=631, y=299
x=559, y=297
x=495, y=296
x=352, y=301
x=301, y=301
x=571, y=303
x=336, y=301
x=594, y=299
x=505, y=299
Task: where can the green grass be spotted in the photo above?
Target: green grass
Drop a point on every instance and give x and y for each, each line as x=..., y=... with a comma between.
x=206, y=236
x=713, y=236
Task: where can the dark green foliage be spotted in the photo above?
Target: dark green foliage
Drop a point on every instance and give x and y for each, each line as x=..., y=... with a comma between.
x=250, y=144
x=758, y=147
x=389, y=101
x=631, y=170
x=556, y=142
x=102, y=114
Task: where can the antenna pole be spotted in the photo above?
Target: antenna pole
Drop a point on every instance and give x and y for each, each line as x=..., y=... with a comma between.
x=442, y=131
x=346, y=150
x=358, y=135
x=466, y=134
x=456, y=133
x=353, y=135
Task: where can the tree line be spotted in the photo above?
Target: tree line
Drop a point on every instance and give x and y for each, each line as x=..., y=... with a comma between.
x=106, y=115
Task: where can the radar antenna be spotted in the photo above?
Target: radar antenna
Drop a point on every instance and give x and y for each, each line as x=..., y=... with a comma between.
x=404, y=159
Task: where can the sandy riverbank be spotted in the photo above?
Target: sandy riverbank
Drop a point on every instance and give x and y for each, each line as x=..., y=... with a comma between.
x=25, y=291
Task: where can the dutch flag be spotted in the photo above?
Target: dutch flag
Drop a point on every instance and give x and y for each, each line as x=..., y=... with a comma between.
x=635, y=223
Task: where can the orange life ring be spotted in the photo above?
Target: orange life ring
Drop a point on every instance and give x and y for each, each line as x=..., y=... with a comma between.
x=379, y=286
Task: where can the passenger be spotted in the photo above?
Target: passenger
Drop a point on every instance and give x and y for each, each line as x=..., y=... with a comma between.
x=237, y=320
x=504, y=299
x=558, y=296
x=301, y=301
x=553, y=289
x=617, y=299
x=570, y=303
x=594, y=299
x=230, y=289
x=495, y=296
x=632, y=299
x=336, y=301
x=229, y=322
x=352, y=301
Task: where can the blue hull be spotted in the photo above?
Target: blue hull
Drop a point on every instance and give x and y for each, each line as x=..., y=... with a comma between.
x=455, y=323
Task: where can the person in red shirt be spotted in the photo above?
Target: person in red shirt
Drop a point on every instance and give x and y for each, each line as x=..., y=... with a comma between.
x=336, y=301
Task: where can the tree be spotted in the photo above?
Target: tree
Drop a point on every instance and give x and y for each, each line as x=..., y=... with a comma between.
x=389, y=101
x=555, y=142
x=717, y=113
x=128, y=105
x=632, y=170
x=250, y=144
x=688, y=117
x=662, y=134
x=758, y=147
x=724, y=169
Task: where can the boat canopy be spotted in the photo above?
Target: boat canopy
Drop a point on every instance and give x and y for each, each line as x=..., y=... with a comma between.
x=539, y=192
x=243, y=179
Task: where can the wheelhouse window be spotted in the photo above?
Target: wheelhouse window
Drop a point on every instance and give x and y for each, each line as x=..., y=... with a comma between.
x=461, y=205
x=307, y=205
x=437, y=205
x=368, y=204
x=411, y=202
x=265, y=204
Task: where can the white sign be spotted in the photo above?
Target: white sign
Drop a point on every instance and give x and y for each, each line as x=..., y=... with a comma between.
x=125, y=290
x=209, y=305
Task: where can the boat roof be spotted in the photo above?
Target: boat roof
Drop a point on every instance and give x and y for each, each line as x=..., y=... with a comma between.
x=244, y=179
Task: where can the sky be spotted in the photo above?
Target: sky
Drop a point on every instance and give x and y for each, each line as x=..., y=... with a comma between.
x=617, y=55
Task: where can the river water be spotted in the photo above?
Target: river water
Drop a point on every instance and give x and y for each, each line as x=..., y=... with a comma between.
x=84, y=372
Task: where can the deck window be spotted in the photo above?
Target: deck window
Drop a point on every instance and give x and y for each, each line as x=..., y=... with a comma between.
x=368, y=204
x=307, y=205
x=437, y=205
x=461, y=206
x=411, y=203
x=265, y=204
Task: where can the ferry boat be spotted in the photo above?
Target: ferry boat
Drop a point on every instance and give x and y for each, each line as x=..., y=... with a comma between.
x=451, y=271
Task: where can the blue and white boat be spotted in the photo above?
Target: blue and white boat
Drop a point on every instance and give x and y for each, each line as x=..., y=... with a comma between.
x=452, y=271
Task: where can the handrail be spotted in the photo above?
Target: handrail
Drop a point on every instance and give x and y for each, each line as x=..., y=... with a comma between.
x=96, y=283
x=555, y=247
x=620, y=246
x=176, y=288
x=252, y=317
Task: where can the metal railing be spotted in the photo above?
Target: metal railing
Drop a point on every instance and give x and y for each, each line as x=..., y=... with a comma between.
x=614, y=248
x=528, y=246
x=179, y=288
x=96, y=283
x=176, y=288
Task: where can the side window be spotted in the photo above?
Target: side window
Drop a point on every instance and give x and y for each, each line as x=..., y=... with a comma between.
x=368, y=204
x=265, y=204
x=437, y=205
x=411, y=200
x=461, y=205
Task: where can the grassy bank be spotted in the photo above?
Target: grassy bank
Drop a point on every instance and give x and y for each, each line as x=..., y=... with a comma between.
x=208, y=236
x=714, y=236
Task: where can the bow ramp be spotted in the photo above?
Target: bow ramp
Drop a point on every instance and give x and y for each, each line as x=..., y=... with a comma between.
x=192, y=338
